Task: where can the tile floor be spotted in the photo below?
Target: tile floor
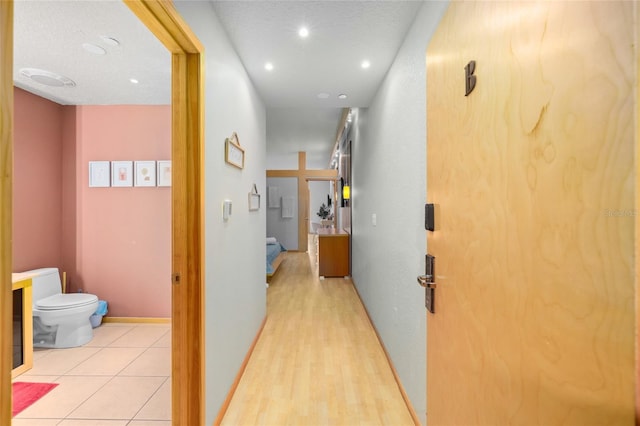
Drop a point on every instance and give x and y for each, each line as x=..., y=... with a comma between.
x=122, y=377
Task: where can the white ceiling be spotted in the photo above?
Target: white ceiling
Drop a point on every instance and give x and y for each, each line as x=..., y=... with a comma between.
x=49, y=35
x=341, y=35
x=313, y=128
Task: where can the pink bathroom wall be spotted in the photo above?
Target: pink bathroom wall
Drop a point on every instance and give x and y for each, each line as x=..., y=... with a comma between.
x=113, y=242
x=123, y=235
x=69, y=197
x=37, y=202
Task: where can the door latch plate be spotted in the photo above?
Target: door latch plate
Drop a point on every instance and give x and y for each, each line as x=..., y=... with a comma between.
x=430, y=291
x=429, y=299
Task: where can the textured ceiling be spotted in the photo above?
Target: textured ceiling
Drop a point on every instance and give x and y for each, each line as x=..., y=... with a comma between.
x=341, y=35
x=315, y=129
x=49, y=35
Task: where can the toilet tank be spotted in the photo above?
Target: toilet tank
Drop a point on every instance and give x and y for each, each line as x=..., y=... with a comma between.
x=45, y=282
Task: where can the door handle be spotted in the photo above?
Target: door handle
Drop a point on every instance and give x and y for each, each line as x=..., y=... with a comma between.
x=426, y=281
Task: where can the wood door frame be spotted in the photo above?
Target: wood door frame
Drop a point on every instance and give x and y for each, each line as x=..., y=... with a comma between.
x=637, y=211
x=6, y=209
x=301, y=174
x=187, y=204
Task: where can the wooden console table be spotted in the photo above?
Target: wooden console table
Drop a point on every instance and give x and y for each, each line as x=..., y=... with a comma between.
x=333, y=252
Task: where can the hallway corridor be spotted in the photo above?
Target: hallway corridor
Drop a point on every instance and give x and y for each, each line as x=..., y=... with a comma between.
x=318, y=361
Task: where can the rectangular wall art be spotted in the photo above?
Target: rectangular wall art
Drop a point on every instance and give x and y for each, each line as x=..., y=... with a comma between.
x=164, y=173
x=121, y=173
x=99, y=176
x=145, y=173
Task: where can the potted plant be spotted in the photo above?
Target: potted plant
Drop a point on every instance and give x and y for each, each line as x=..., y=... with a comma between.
x=324, y=212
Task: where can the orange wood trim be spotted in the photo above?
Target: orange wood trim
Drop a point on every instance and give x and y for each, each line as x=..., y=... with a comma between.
x=136, y=320
x=303, y=175
x=637, y=205
x=168, y=26
x=187, y=311
x=6, y=188
x=303, y=202
x=234, y=386
x=282, y=173
x=414, y=415
x=329, y=174
x=187, y=241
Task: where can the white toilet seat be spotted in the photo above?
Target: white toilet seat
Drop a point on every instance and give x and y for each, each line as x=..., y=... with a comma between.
x=65, y=301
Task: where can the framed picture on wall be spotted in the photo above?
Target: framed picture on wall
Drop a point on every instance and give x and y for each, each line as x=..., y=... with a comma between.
x=121, y=173
x=254, y=199
x=145, y=173
x=288, y=206
x=273, y=197
x=99, y=176
x=164, y=173
x=233, y=152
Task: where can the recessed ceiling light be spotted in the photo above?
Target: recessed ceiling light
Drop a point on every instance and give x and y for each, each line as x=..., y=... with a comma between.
x=93, y=48
x=110, y=41
x=323, y=96
x=303, y=32
x=342, y=96
x=134, y=80
x=47, y=77
x=365, y=64
x=268, y=66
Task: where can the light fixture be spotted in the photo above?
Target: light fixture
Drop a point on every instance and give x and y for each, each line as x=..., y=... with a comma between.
x=47, y=77
x=268, y=66
x=322, y=95
x=346, y=192
x=93, y=48
x=110, y=41
x=134, y=80
x=303, y=32
x=342, y=96
x=365, y=64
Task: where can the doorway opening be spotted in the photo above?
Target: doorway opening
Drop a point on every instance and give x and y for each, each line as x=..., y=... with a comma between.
x=187, y=205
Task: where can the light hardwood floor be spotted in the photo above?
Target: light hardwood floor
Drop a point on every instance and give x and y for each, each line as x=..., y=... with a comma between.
x=318, y=361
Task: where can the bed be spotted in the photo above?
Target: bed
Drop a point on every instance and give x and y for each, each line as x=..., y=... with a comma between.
x=275, y=256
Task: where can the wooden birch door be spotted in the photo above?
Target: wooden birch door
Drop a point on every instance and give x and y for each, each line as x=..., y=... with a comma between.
x=533, y=178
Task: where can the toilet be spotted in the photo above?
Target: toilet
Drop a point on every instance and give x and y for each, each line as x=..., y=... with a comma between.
x=60, y=320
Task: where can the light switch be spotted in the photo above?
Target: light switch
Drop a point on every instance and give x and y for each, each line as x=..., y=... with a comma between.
x=226, y=209
x=374, y=219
